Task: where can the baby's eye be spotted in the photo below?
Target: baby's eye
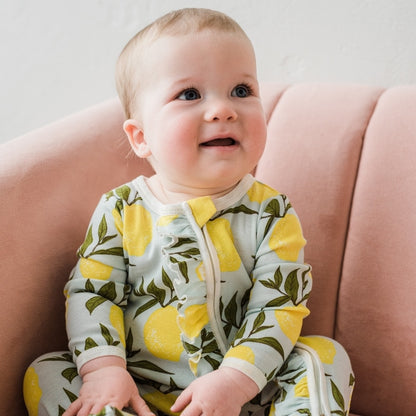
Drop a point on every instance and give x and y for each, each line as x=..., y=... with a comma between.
x=189, y=94
x=241, y=91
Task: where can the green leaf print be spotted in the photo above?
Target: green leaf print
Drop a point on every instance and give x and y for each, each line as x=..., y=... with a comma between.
x=145, y=307
x=271, y=342
x=102, y=228
x=123, y=192
x=273, y=208
x=129, y=341
x=89, y=287
x=182, y=241
x=260, y=318
x=212, y=362
x=93, y=303
x=87, y=242
x=64, y=357
x=211, y=347
x=113, y=251
x=166, y=280
x=241, y=331
x=277, y=302
x=183, y=267
x=192, y=349
x=61, y=410
x=190, y=253
x=108, y=291
x=337, y=396
x=230, y=311
x=292, y=377
x=157, y=292
x=292, y=286
x=276, y=282
x=102, y=239
x=90, y=343
x=147, y=365
x=290, y=290
x=241, y=209
x=71, y=396
x=107, y=336
x=70, y=373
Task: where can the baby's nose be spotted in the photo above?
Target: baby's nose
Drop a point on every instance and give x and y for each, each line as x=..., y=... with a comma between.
x=220, y=110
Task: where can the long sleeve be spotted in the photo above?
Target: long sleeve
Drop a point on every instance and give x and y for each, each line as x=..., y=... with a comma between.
x=281, y=287
x=97, y=290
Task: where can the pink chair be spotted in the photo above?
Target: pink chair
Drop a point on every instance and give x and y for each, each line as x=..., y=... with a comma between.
x=345, y=155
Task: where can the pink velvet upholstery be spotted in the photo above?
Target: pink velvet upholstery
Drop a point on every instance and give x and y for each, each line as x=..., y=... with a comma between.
x=345, y=155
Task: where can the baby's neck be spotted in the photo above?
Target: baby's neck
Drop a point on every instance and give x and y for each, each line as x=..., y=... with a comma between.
x=173, y=193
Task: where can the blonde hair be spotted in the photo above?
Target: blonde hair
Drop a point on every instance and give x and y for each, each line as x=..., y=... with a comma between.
x=178, y=22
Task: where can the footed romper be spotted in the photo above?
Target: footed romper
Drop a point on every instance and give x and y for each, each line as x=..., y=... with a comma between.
x=180, y=290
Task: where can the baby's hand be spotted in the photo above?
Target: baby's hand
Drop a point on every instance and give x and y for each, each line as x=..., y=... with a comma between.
x=222, y=392
x=111, y=385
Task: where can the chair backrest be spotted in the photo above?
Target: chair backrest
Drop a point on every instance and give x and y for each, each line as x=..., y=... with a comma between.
x=50, y=182
x=344, y=154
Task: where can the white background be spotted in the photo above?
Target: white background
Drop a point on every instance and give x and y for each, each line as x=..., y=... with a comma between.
x=58, y=56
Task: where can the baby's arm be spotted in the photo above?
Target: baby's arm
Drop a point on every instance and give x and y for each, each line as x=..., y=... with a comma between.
x=107, y=382
x=223, y=392
x=96, y=296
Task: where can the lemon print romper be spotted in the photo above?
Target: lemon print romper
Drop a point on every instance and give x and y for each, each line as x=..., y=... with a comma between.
x=180, y=290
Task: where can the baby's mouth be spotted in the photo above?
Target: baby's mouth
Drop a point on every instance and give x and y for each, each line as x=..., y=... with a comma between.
x=225, y=141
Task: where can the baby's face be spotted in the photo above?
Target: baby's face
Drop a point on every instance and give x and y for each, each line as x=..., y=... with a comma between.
x=200, y=118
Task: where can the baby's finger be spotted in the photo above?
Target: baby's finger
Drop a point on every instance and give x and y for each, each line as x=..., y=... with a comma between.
x=140, y=406
x=74, y=408
x=182, y=401
x=192, y=410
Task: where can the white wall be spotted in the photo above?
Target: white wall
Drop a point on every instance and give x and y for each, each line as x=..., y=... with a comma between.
x=57, y=56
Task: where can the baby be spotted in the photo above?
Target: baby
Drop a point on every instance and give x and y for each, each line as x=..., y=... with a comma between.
x=190, y=289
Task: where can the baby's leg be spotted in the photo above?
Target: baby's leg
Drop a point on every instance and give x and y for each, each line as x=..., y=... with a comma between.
x=51, y=383
x=316, y=379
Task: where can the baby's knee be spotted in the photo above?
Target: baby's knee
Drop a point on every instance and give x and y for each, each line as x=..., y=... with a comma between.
x=46, y=381
x=329, y=351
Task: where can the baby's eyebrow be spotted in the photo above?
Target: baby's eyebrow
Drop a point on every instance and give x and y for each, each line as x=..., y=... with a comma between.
x=183, y=81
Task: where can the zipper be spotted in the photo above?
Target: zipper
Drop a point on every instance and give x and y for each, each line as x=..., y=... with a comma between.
x=316, y=380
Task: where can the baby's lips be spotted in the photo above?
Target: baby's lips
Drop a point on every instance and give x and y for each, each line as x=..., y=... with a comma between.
x=221, y=141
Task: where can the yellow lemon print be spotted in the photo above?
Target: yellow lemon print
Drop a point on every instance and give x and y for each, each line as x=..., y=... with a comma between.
x=301, y=389
x=260, y=192
x=290, y=320
x=32, y=393
x=202, y=209
x=117, y=321
x=137, y=229
x=162, y=335
x=200, y=272
x=92, y=269
x=162, y=402
x=196, y=317
x=287, y=239
x=243, y=352
x=222, y=238
x=324, y=347
x=166, y=220
x=118, y=222
x=193, y=365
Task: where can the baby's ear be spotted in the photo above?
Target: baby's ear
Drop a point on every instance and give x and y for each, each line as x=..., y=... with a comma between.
x=136, y=138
